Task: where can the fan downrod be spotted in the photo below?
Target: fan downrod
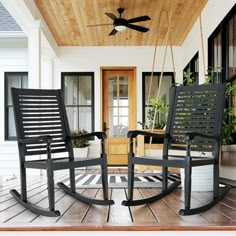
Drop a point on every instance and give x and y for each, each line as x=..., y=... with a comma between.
x=120, y=10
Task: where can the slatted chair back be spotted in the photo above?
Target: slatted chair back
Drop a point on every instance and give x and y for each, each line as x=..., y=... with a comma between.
x=195, y=109
x=41, y=112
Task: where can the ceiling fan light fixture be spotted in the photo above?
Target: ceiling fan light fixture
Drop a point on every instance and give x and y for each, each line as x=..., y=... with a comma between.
x=120, y=28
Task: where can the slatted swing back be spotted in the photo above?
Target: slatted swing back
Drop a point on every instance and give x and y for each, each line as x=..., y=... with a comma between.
x=195, y=109
x=41, y=112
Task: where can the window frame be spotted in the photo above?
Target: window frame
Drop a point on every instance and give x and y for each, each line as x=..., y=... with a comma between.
x=223, y=29
x=6, y=106
x=63, y=74
x=192, y=68
x=144, y=74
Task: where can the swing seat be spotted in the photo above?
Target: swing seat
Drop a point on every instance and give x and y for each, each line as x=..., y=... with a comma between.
x=193, y=126
x=43, y=135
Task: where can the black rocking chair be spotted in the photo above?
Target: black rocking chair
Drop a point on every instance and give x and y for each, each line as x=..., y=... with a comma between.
x=192, y=138
x=43, y=133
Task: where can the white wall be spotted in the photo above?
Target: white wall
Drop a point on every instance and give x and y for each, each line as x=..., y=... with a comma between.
x=11, y=59
x=77, y=59
x=15, y=59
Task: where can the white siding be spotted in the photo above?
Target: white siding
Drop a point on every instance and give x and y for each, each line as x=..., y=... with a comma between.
x=11, y=59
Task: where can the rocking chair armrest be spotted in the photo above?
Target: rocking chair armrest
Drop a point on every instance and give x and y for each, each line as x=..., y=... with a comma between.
x=192, y=135
x=99, y=134
x=38, y=139
x=135, y=133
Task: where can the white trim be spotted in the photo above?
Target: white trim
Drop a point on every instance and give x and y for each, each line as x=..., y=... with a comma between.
x=25, y=12
x=10, y=34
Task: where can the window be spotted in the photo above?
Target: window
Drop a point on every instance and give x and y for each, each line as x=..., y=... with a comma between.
x=215, y=57
x=192, y=67
x=222, y=48
x=78, y=90
x=17, y=80
x=167, y=81
x=222, y=56
x=232, y=48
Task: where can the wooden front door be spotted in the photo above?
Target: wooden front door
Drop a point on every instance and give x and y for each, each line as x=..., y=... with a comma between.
x=119, y=111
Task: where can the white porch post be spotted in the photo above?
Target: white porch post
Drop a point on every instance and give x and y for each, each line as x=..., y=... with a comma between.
x=34, y=52
x=46, y=69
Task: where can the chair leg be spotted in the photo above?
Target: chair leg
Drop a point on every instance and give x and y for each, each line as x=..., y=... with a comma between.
x=72, y=190
x=22, y=198
x=217, y=195
x=164, y=178
x=23, y=182
x=104, y=178
x=216, y=180
x=130, y=177
x=187, y=183
x=51, y=194
x=136, y=202
x=72, y=179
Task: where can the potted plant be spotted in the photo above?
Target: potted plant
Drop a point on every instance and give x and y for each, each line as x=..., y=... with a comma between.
x=228, y=148
x=80, y=145
x=157, y=110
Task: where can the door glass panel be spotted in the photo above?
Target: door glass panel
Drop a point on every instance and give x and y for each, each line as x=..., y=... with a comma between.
x=113, y=122
x=123, y=125
x=118, y=106
x=112, y=92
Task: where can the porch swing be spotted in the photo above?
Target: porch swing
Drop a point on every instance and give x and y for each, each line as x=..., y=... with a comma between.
x=193, y=127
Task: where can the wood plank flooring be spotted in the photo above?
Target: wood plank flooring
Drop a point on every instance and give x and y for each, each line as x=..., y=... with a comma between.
x=75, y=215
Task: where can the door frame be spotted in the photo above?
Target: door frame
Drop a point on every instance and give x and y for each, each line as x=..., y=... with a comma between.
x=133, y=125
x=104, y=68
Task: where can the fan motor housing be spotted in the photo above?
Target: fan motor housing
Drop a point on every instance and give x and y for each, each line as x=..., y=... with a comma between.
x=120, y=21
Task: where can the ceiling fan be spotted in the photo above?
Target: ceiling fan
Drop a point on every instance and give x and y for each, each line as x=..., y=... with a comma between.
x=120, y=24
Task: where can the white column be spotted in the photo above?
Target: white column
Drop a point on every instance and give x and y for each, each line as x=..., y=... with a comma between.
x=34, y=52
x=46, y=69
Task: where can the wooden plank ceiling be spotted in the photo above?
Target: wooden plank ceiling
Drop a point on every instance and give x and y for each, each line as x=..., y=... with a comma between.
x=68, y=21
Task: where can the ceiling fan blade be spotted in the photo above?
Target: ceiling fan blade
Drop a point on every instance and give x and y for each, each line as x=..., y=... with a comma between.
x=98, y=25
x=113, y=32
x=111, y=15
x=138, y=19
x=138, y=28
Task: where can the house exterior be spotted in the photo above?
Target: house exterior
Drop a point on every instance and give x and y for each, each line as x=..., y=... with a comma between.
x=34, y=51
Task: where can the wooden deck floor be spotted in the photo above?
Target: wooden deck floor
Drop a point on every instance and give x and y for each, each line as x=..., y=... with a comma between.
x=75, y=215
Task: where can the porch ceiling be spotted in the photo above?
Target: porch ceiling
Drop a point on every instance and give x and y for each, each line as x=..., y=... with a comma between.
x=68, y=20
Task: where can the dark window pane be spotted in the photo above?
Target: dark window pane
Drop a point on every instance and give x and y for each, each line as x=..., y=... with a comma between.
x=17, y=80
x=151, y=85
x=78, y=91
x=191, y=70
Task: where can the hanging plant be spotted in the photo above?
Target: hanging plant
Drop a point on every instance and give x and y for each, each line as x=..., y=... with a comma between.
x=188, y=78
x=159, y=106
x=229, y=119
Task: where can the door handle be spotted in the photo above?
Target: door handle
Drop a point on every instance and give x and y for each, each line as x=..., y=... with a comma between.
x=105, y=127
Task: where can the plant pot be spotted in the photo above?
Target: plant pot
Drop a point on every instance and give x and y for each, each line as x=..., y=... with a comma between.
x=81, y=153
x=228, y=162
x=202, y=178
